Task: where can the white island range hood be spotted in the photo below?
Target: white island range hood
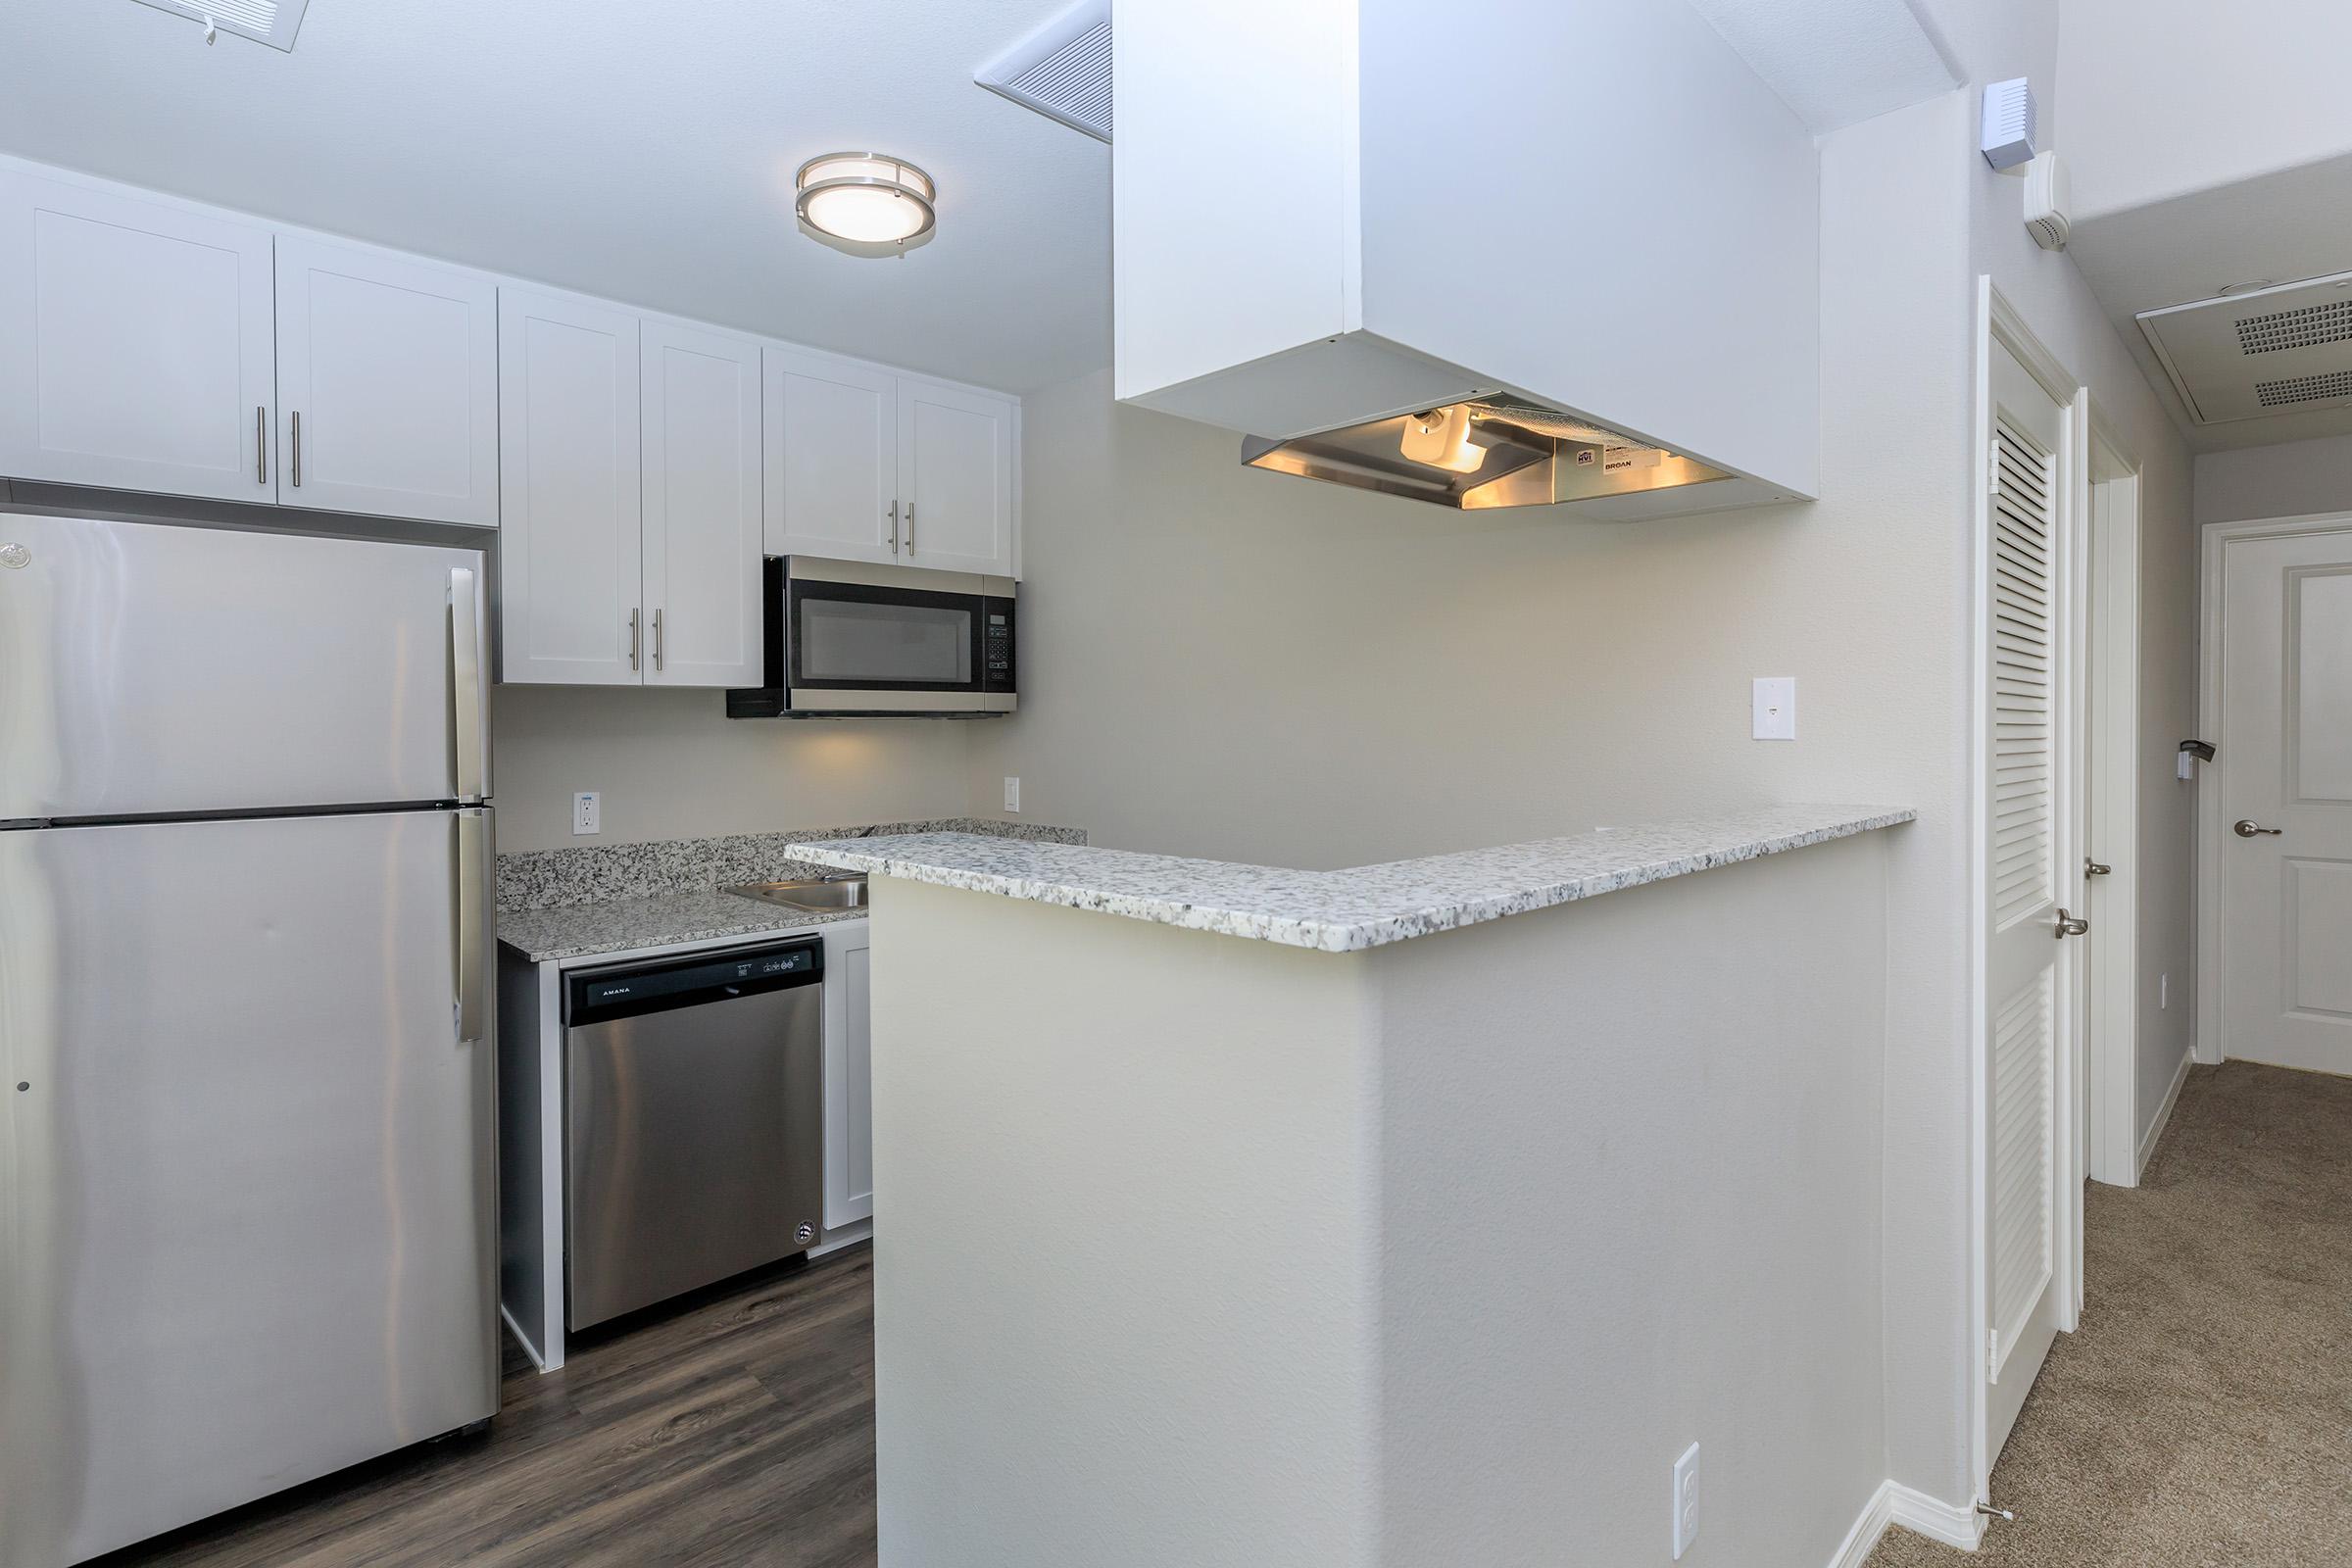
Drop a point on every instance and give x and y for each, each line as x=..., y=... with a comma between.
x=1539, y=253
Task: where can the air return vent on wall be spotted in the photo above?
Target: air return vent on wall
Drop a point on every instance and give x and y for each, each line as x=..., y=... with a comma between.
x=1062, y=69
x=270, y=22
x=2266, y=351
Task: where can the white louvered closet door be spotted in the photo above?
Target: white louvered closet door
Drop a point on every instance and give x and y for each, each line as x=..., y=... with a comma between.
x=2030, y=836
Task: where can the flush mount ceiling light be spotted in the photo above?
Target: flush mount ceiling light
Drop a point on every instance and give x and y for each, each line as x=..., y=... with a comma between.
x=867, y=204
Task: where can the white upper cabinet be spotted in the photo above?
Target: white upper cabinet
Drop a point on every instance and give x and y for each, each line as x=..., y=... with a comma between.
x=571, y=553
x=700, y=402
x=387, y=384
x=832, y=441
x=135, y=343
x=956, y=450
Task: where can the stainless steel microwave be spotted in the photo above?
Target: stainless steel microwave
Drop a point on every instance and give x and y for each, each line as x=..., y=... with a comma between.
x=846, y=640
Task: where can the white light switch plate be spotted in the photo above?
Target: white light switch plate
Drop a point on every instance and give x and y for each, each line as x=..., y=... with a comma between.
x=1776, y=708
x=587, y=812
x=1686, y=1501
x=1012, y=794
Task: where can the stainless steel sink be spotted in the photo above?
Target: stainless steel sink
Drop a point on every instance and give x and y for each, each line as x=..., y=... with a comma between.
x=814, y=896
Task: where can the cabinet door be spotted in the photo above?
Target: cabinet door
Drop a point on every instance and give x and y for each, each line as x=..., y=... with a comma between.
x=832, y=447
x=387, y=384
x=571, y=551
x=702, y=508
x=135, y=343
x=955, y=478
x=848, y=1076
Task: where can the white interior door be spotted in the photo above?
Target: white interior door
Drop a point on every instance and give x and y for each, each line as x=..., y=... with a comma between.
x=2286, y=840
x=387, y=381
x=570, y=546
x=702, y=508
x=956, y=478
x=2031, y=833
x=832, y=441
x=135, y=343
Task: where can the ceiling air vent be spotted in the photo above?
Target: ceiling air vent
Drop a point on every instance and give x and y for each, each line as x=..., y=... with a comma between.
x=270, y=22
x=1062, y=69
x=2268, y=351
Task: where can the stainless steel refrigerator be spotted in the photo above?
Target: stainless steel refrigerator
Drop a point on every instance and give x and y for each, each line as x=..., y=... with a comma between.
x=248, y=1209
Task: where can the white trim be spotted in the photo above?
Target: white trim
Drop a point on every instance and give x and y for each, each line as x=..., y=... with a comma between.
x=2211, y=1047
x=2164, y=1115
x=2111, y=1047
x=1953, y=1524
x=1894, y=1504
x=521, y=1338
x=1863, y=1539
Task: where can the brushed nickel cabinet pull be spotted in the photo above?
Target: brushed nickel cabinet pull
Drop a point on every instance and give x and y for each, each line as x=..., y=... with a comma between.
x=657, y=665
x=633, y=638
x=297, y=455
x=261, y=443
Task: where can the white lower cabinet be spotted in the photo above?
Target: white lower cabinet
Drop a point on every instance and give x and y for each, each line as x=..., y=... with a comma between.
x=136, y=349
x=848, y=1076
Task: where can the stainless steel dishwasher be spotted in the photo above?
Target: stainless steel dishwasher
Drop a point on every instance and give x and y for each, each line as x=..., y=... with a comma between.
x=694, y=1122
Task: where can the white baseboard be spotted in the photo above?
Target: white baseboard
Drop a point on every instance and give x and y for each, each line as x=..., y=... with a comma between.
x=1923, y=1515
x=1914, y=1512
x=2164, y=1115
x=1861, y=1540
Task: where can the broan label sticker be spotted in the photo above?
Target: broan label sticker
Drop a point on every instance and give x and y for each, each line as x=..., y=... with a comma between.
x=1619, y=459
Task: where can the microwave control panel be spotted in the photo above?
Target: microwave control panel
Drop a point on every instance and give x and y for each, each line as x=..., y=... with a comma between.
x=995, y=645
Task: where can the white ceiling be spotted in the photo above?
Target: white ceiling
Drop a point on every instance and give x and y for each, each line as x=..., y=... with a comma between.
x=1836, y=62
x=642, y=153
x=2281, y=227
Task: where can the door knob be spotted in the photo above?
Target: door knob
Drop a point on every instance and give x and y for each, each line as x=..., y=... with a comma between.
x=2070, y=927
x=2091, y=867
x=2245, y=827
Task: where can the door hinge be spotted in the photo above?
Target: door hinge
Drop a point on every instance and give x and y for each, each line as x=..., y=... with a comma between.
x=1992, y=467
x=1992, y=1355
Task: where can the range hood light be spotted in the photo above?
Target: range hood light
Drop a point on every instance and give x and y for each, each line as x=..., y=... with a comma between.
x=1441, y=438
x=866, y=204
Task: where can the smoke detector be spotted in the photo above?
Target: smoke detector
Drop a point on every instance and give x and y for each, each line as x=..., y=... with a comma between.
x=1062, y=69
x=270, y=22
x=2274, y=350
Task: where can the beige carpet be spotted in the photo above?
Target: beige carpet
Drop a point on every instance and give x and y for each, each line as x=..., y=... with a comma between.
x=2202, y=1416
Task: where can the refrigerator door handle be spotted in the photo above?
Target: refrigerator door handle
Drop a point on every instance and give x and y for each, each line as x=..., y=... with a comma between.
x=466, y=679
x=472, y=933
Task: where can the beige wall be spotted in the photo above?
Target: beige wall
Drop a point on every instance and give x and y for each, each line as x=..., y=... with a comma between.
x=2295, y=479
x=670, y=765
x=1230, y=663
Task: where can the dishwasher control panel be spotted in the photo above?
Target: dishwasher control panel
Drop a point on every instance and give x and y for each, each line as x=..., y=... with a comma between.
x=663, y=984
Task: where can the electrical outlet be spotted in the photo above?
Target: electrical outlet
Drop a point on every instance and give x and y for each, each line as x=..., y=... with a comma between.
x=587, y=812
x=1774, y=704
x=1012, y=794
x=1686, y=1501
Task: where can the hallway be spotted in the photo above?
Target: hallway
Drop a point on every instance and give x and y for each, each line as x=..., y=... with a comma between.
x=2202, y=1417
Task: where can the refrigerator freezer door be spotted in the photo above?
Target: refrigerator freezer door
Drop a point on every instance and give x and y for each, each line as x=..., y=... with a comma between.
x=150, y=669
x=248, y=1229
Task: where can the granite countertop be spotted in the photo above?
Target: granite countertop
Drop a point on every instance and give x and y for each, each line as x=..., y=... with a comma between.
x=657, y=920
x=1366, y=907
x=555, y=904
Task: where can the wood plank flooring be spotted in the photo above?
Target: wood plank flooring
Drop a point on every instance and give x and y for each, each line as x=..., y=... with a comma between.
x=733, y=1431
